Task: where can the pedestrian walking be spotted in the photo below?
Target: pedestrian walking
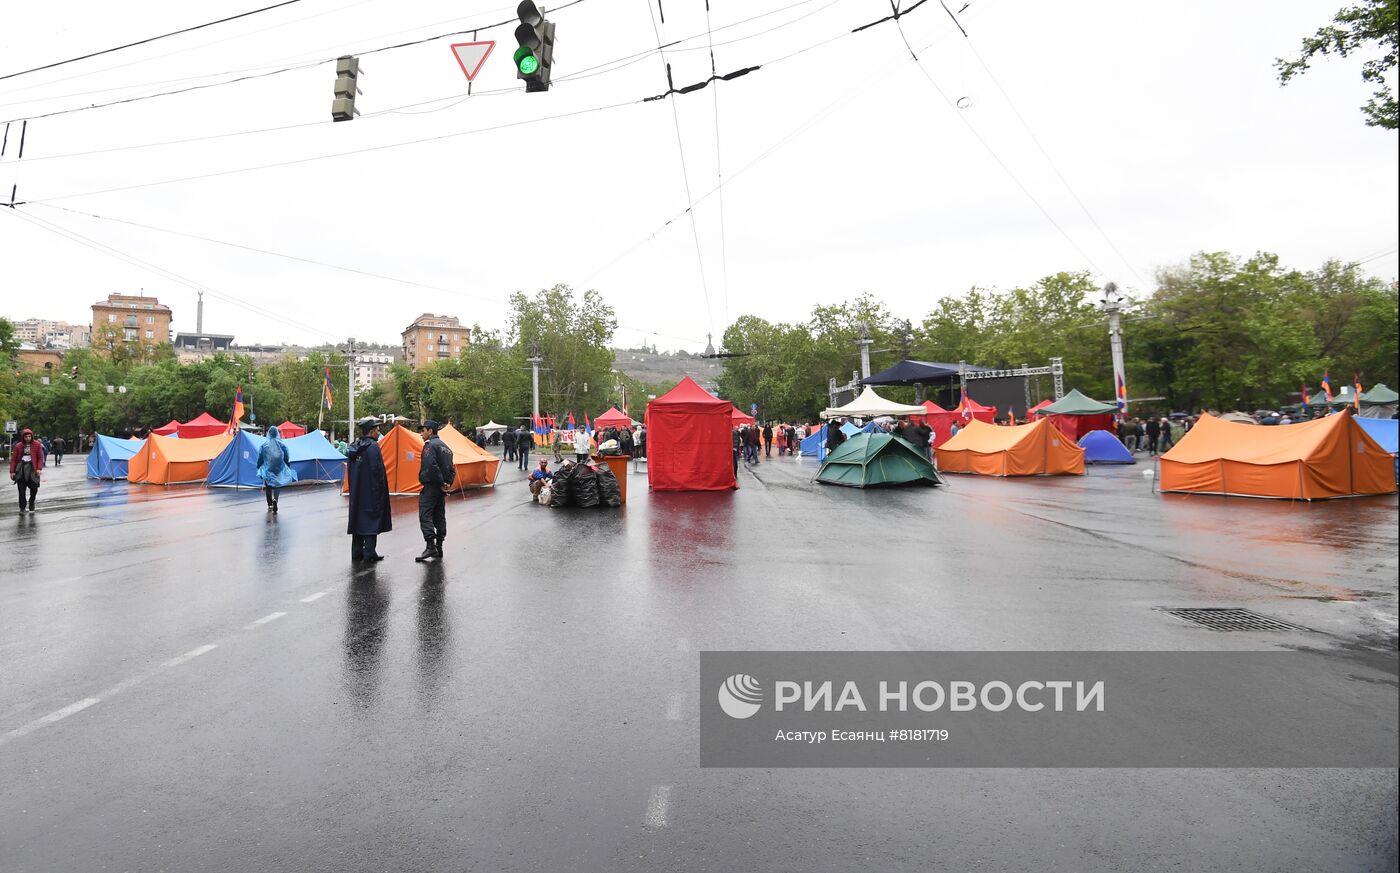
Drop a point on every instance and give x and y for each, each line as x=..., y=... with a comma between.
x=751, y=443
x=737, y=438
x=1153, y=429
x=26, y=463
x=1166, y=440
x=368, y=485
x=274, y=468
x=581, y=446
x=60, y=447
x=791, y=433
x=768, y=439
x=435, y=474
x=523, y=441
x=508, y=442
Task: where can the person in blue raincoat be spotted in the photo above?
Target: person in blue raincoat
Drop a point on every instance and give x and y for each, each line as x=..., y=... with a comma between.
x=368, y=483
x=274, y=468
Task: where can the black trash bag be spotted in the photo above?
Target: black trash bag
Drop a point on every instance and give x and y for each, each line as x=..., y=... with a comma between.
x=585, y=486
x=609, y=489
x=563, y=491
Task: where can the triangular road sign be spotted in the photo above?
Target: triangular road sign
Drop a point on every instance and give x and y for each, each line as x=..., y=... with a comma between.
x=471, y=55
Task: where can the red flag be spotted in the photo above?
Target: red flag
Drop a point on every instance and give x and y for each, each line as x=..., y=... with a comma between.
x=237, y=414
x=586, y=424
x=571, y=421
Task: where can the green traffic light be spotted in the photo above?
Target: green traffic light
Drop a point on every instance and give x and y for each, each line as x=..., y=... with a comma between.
x=529, y=64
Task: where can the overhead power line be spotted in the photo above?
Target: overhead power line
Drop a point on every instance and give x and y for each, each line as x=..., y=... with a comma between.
x=149, y=39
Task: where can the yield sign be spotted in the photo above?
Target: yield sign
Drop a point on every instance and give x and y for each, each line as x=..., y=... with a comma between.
x=471, y=55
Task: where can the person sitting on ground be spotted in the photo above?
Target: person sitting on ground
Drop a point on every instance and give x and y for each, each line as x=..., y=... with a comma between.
x=538, y=477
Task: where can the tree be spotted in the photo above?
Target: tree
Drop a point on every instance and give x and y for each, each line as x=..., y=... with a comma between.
x=483, y=383
x=573, y=335
x=1354, y=29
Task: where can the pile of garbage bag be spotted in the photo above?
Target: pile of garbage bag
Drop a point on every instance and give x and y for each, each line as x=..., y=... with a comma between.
x=584, y=485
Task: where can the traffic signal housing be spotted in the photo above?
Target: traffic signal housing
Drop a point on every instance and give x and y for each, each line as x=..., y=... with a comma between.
x=534, y=59
x=347, y=75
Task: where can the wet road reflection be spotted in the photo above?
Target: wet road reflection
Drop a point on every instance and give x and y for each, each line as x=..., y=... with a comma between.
x=434, y=636
x=366, y=628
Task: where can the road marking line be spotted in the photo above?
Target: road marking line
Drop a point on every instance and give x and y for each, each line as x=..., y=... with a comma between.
x=264, y=620
x=657, y=806
x=314, y=597
x=675, y=707
x=188, y=656
x=56, y=715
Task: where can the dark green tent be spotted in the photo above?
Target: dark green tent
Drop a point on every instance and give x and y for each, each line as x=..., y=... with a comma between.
x=1075, y=403
x=867, y=460
x=1379, y=395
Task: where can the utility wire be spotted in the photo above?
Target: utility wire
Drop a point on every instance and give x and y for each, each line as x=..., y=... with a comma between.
x=685, y=175
x=287, y=69
x=120, y=255
x=996, y=157
x=149, y=39
x=312, y=158
x=719, y=174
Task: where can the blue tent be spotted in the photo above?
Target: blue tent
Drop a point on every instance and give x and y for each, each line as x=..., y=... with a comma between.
x=1382, y=430
x=1102, y=447
x=814, y=444
x=1385, y=431
x=109, y=455
x=313, y=458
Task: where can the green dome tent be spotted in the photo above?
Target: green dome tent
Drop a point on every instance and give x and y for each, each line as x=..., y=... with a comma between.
x=868, y=460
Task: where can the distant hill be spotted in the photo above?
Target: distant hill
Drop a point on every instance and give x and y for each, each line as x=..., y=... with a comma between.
x=668, y=368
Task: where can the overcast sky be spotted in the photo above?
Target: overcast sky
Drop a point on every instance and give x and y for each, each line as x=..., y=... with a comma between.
x=846, y=169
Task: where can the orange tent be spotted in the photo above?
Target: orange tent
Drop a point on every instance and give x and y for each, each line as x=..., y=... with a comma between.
x=166, y=460
x=402, y=449
x=475, y=465
x=1314, y=460
x=1037, y=449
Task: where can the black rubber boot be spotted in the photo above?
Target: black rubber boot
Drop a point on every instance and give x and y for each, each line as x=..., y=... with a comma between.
x=430, y=553
x=438, y=547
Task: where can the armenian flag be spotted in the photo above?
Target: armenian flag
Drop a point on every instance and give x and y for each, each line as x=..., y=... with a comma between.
x=1356, y=386
x=237, y=413
x=1327, y=387
x=326, y=397
x=1122, y=392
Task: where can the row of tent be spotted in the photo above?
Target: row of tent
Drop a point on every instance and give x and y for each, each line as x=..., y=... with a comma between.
x=1337, y=456
x=206, y=425
x=228, y=460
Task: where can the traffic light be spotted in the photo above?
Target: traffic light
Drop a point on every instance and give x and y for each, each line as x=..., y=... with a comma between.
x=347, y=74
x=535, y=56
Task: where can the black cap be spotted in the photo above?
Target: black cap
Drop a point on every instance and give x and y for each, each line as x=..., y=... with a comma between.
x=428, y=425
x=368, y=424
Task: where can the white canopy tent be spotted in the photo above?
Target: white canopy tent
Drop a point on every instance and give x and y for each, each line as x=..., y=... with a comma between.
x=491, y=427
x=872, y=405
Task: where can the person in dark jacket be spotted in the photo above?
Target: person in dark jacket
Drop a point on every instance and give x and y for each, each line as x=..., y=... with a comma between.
x=738, y=438
x=435, y=474
x=834, y=435
x=790, y=433
x=60, y=446
x=768, y=439
x=920, y=435
x=26, y=463
x=1154, y=431
x=369, y=493
x=508, y=442
x=624, y=441
x=524, y=439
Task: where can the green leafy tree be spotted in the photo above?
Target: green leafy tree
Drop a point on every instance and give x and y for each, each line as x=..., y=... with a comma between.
x=1368, y=26
x=573, y=334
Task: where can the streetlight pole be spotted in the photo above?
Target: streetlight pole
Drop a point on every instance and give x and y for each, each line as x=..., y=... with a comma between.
x=864, y=342
x=535, y=361
x=1112, y=306
x=350, y=384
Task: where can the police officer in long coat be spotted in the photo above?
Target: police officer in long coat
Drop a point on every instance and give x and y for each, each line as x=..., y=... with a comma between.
x=369, y=493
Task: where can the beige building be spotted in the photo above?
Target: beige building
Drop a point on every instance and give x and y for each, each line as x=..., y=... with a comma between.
x=48, y=334
x=371, y=368
x=136, y=318
x=433, y=338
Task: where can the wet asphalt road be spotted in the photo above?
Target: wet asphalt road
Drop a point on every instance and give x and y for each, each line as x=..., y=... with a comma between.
x=190, y=684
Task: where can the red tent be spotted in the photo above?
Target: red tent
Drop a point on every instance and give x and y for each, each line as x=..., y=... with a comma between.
x=969, y=409
x=737, y=416
x=205, y=425
x=288, y=430
x=612, y=418
x=688, y=440
x=1035, y=409
x=941, y=420
x=170, y=427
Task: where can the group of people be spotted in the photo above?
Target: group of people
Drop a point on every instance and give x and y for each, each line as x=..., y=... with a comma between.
x=517, y=443
x=1152, y=435
x=368, y=484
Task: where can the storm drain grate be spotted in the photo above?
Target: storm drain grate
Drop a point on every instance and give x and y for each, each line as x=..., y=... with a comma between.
x=1232, y=619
